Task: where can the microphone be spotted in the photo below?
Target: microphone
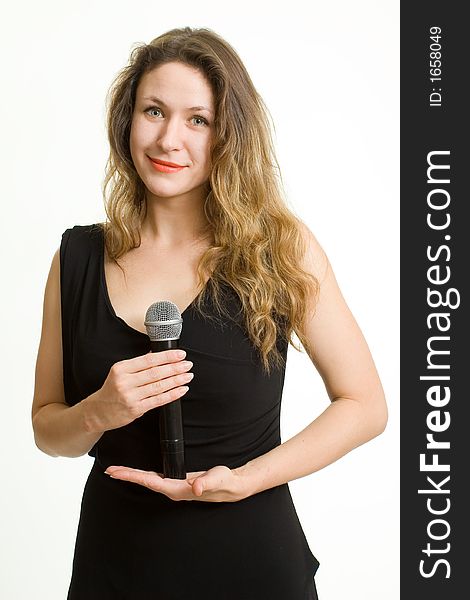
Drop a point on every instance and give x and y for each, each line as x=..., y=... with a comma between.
x=163, y=322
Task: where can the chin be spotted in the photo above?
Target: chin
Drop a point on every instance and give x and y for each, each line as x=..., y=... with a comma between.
x=169, y=191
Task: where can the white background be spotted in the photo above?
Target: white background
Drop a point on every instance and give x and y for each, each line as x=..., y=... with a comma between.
x=328, y=72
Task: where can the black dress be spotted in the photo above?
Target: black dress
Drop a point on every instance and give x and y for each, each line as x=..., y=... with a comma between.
x=136, y=544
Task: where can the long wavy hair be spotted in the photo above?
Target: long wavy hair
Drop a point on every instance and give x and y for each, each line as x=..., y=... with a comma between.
x=257, y=242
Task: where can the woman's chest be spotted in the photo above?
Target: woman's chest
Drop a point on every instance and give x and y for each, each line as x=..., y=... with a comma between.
x=148, y=278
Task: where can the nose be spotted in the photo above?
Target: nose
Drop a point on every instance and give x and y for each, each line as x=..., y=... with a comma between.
x=171, y=135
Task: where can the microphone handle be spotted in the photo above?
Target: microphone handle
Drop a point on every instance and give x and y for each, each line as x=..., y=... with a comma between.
x=171, y=426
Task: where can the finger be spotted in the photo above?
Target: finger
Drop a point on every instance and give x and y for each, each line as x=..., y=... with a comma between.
x=112, y=468
x=148, y=479
x=199, y=485
x=160, y=372
x=161, y=399
x=213, y=480
x=190, y=477
x=175, y=489
x=157, y=388
x=152, y=359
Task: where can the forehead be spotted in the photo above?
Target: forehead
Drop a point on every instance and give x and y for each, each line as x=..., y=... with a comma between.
x=178, y=84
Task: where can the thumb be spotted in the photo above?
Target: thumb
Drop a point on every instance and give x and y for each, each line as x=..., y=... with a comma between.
x=199, y=485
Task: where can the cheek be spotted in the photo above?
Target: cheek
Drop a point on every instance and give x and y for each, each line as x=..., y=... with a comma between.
x=139, y=135
x=203, y=151
x=133, y=142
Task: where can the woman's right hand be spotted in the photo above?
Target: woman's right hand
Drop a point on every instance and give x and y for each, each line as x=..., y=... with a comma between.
x=137, y=385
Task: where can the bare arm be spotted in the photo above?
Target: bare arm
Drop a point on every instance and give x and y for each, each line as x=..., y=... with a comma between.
x=357, y=412
x=132, y=387
x=59, y=429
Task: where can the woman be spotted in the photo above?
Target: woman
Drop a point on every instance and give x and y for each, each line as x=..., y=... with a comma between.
x=196, y=216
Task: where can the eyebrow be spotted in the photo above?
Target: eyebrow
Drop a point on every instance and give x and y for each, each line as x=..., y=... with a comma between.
x=158, y=101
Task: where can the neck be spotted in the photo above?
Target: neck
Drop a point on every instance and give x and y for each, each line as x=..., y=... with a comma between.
x=175, y=222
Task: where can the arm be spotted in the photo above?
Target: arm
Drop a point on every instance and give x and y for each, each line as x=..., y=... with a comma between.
x=59, y=430
x=132, y=387
x=357, y=412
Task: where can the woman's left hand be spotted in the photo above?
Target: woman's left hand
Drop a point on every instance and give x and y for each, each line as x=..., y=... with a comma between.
x=219, y=484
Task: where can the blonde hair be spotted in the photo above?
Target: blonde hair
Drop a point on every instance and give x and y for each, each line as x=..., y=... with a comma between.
x=258, y=245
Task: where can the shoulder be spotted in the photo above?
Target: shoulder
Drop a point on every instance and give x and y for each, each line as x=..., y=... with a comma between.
x=81, y=231
x=78, y=245
x=81, y=236
x=314, y=258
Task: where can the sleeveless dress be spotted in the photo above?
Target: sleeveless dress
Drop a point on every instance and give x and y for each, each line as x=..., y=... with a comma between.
x=136, y=544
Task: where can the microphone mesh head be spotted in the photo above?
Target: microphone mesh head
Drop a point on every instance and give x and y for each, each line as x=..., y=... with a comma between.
x=163, y=321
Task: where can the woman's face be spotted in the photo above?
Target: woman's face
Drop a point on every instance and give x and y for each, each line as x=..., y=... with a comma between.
x=172, y=122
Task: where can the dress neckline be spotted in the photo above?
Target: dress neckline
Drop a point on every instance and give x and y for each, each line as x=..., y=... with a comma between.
x=107, y=299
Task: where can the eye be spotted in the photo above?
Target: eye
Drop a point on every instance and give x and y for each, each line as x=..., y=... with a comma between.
x=204, y=121
x=152, y=108
x=200, y=120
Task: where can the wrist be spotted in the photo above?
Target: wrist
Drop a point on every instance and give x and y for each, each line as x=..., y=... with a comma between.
x=89, y=413
x=245, y=479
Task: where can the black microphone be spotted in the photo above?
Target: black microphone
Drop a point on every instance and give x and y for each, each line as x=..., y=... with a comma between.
x=163, y=322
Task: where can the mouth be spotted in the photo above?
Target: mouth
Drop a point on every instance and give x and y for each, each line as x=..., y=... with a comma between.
x=165, y=162
x=165, y=167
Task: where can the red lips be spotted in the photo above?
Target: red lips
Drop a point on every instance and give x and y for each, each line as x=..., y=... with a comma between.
x=164, y=162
